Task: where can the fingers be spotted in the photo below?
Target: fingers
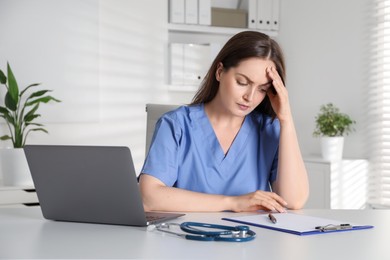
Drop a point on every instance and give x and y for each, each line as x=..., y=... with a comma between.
x=276, y=79
x=277, y=84
x=279, y=102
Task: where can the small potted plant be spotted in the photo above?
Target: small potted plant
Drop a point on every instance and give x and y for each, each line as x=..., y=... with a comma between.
x=19, y=113
x=332, y=126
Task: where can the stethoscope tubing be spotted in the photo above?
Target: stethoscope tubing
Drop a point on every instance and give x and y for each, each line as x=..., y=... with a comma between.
x=226, y=233
x=189, y=227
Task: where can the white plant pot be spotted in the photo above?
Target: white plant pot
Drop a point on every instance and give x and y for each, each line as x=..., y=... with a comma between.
x=332, y=148
x=14, y=167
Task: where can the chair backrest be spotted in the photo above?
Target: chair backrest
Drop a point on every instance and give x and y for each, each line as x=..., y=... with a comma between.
x=154, y=112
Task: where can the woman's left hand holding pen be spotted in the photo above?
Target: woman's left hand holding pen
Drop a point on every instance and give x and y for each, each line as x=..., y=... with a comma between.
x=259, y=200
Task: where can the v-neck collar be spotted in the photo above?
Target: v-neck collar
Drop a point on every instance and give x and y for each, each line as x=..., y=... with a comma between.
x=215, y=149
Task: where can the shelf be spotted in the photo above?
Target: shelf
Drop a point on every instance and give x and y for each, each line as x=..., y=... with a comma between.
x=203, y=29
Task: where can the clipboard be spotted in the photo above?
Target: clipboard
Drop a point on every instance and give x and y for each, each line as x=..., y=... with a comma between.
x=298, y=224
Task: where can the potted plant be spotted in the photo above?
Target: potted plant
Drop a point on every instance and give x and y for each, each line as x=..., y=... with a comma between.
x=332, y=126
x=19, y=113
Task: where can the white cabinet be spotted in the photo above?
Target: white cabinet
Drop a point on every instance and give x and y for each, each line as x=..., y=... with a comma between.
x=17, y=196
x=337, y=185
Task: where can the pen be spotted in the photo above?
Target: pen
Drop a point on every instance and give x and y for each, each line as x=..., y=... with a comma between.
x=272, y=218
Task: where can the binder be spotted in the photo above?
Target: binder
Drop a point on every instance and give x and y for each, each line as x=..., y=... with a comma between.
x=196, y=62
x=191, y=12
x=298, y=224
x=275, y=15
x=176, y=11
x=252, y=14
x=188, y=63
x=204, y=12
x=264, y=13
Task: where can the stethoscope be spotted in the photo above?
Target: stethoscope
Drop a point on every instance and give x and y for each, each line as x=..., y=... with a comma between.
x=223, y=233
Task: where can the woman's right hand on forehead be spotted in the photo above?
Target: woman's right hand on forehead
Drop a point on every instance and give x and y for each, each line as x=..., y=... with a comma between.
x=279, y=101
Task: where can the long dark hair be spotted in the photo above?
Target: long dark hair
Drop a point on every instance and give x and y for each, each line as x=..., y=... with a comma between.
x=244, y=45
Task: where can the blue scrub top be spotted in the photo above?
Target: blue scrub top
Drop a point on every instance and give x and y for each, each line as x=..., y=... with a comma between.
x=186, y=153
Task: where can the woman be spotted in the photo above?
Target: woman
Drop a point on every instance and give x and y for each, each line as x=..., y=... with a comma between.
x=235, y=146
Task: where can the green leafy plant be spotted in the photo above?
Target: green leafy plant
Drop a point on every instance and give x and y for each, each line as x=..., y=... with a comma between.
x=331, y=122
x=20, y=110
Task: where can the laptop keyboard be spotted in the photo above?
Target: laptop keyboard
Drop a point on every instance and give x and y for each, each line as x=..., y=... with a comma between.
x=154, y=217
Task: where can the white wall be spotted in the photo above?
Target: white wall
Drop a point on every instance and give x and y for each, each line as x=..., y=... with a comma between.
x=127, y=39
x=325, y=48
x=129, y=46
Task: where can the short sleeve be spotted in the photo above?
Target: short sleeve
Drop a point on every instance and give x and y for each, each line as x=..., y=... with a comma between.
x=161, y=161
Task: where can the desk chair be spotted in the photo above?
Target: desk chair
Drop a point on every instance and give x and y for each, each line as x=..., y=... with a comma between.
x=154, y=112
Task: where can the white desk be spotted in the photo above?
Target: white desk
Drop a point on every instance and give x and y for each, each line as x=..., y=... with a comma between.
x=25, y=234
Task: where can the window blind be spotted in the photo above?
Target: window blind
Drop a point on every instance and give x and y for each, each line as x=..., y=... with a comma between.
x=378, y=109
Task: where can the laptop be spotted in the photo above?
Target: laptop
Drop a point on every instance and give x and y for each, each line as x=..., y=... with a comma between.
x=90, y=184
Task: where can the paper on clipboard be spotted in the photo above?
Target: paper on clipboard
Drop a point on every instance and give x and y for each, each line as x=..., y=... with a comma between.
x=294, y=223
